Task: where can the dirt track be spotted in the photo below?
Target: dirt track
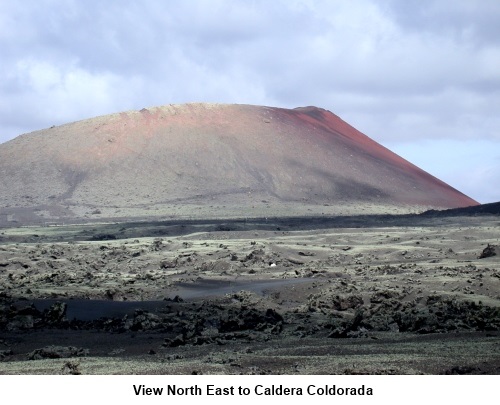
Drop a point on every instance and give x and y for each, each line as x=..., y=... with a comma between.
x=373, y=296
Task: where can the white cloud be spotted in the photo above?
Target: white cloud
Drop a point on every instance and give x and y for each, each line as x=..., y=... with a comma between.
x=50, y=94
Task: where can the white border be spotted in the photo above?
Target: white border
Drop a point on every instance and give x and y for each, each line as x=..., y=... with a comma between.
x=387, y=390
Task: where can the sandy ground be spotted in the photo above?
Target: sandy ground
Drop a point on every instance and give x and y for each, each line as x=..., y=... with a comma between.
x=368, y=296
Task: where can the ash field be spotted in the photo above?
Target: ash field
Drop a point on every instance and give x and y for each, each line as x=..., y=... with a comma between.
x=232, y=239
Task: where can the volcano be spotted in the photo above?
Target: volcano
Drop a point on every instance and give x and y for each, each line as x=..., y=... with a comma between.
x=209, y=161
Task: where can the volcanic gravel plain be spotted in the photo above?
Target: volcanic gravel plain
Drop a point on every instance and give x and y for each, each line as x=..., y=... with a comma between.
x=404, y=294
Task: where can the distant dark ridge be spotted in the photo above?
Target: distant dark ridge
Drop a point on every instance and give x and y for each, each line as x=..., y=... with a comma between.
x=483, y=209
x=174, y=228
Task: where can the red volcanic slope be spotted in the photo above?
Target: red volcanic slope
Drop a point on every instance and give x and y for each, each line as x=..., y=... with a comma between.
x=210, y=154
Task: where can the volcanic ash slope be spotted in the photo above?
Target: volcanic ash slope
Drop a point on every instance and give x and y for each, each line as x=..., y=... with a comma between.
x=208, y=161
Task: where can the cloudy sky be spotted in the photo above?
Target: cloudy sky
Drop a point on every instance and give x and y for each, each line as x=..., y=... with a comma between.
x=422, y=77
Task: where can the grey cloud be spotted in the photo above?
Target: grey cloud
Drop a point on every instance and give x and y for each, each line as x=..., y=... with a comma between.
x=462, y=20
